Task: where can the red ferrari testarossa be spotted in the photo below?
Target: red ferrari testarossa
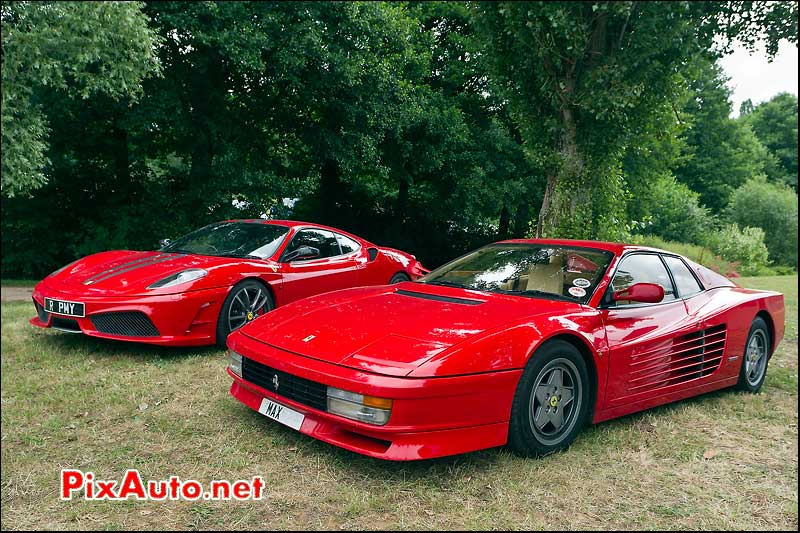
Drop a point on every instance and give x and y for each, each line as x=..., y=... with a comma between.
x=197, y=289
x=520, y=342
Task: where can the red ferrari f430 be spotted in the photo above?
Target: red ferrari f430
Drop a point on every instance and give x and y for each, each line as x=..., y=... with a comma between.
x=197, y=289
x=521, y=342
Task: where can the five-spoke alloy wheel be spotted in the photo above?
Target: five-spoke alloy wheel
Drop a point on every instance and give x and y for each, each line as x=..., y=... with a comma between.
x=755, y=357
x=552, y=400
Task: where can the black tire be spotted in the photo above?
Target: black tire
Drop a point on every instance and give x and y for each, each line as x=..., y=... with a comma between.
x=534, y=430
x=755, y=358
x=247, y=291
x=399, y=278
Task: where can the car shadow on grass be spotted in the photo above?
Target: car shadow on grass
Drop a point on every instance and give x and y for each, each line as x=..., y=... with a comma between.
x=594, y=440
x=79, y=344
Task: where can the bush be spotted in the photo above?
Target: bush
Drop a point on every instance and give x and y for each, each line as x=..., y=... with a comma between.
x=773, y=208
x=743, y=246
x=675, y=212
x=699, y=254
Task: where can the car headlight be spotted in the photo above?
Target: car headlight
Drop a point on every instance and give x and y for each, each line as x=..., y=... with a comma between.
x=235, y=363
x=369, y=409
x=185, y=276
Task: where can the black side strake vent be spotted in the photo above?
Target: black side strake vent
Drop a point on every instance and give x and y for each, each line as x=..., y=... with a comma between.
x=373, y=253
x=449, y=299
x=689, y=357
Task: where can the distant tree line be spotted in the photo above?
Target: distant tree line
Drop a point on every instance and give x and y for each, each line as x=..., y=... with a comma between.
x=433, y=127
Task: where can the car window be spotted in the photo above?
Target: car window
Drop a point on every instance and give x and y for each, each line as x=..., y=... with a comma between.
x=322, y=240
x=684, y=280
x=642, y=268
x=348, y=245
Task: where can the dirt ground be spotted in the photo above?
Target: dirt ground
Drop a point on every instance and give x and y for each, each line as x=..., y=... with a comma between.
x=15, y=294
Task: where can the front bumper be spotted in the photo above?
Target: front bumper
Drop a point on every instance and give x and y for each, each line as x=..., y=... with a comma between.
x=184, y=319
x=431, y=417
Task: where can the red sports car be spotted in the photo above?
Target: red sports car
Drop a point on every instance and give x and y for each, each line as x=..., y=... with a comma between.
x=199, y=288
x=520, y=342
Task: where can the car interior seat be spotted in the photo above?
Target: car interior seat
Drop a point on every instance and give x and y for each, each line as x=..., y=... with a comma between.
x=547, y=277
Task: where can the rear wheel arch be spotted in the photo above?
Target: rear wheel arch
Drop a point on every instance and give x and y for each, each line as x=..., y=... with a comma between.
x=766, y=317
x=399, y=274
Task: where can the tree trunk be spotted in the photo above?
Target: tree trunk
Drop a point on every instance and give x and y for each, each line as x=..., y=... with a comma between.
x=402, y=200
x=505, y=220
x=207, y=93
x=330, y=192
x=565, y=185
x=521, y=221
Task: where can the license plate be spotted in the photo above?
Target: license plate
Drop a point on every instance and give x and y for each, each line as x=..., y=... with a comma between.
x=61, y=307
x=281, y=413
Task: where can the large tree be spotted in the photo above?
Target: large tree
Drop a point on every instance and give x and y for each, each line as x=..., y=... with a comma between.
x=81, y=48
x=585, y=79
x=720, y=153
x=775, y=124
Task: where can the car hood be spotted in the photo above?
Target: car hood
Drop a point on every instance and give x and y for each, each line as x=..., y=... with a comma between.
x=391, y=329
x=127, y=272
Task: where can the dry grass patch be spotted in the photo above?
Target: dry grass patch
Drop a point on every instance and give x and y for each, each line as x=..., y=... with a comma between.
x=721, y=461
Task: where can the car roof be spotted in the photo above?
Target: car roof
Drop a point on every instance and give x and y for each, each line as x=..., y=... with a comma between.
x=290, y=224
x=614, y=247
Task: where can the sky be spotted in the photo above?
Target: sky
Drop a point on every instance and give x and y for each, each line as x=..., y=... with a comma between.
x=753, y=77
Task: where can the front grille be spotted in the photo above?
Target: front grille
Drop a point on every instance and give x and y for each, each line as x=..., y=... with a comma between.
x=295, y=388
x=124, y=323
x=43, y=315
x=65, y=324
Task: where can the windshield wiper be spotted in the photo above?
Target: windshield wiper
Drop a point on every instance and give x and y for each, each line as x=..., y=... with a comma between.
x=541, y=294
x=178, y=252
x=445, y=283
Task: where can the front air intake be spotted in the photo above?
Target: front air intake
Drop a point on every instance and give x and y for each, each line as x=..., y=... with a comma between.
x=124, y=324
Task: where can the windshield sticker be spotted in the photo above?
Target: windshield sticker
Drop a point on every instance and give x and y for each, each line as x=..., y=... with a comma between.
x=577, y=292
x=581, y=282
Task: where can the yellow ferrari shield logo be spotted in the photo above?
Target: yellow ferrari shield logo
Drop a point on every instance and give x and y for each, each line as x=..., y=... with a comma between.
x=250, y=316
x=553, y=401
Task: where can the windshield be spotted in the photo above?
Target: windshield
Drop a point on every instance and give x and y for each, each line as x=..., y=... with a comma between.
x=232, y=239
x=544, y=271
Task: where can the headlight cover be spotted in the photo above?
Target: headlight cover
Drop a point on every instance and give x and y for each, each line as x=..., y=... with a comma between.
x=184, y=276
x=369, y=409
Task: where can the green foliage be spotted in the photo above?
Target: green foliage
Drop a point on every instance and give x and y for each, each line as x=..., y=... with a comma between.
x=584, y=80
x=432, y=126
x=697, y=253
x=743, y=246
x=721, y=153
x=775, y=124
x=773, y=208
x=675, y=213
x=80, y=48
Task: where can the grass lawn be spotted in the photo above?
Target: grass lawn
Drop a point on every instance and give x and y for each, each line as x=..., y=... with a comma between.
x=9, y=282
x=721, y=461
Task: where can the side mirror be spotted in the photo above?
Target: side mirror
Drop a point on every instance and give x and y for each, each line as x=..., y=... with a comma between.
x=649, y=293
x=164, y=242
x=304, y=252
